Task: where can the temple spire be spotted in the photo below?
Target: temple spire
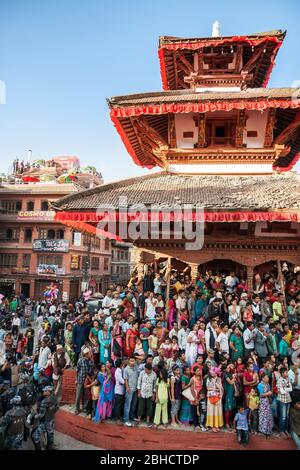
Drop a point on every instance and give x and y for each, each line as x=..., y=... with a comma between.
x=216, y=30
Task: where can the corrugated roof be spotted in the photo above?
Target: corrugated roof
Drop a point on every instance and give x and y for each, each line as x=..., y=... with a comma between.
x=263, y=192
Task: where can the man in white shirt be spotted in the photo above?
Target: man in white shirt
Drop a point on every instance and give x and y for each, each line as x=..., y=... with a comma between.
x=52, y=309
x=211, y=334
x=44, y=354
x=249, y=336
x=106, y=302
x=151, y=304
x=16, y=323
x=222, y=343
x=174, y=331
x=181, y=301
x=128, y=324
x=256, y=309
x=116, y=301
x=231, y=282
x=183, y=335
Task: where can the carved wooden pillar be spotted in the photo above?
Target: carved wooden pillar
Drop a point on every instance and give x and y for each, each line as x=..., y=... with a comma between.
x=240, y=128
x=250, y=273
x=270, y=127
x=172, y=131
x=138, y=262
x=194, y=271
x=201, y=130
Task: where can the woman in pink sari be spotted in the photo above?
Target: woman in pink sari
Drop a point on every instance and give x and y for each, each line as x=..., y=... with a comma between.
x=172, y=311
x=116, y=340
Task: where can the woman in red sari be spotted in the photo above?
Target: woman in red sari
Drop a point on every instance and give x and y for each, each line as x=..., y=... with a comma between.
x=130, y=339
x=128, y=306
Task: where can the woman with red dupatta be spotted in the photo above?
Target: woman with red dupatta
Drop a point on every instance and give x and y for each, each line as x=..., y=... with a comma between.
x=130, y=339
x=128, y=306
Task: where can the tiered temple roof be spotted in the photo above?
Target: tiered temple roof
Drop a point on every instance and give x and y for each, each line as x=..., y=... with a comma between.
x=255, y=55
x=258, y=193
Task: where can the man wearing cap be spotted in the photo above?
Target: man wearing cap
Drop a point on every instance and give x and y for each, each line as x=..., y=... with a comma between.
x=61, y=360
x=13, y=425
x=84, y=368
x=45, y=413
x=214, y=308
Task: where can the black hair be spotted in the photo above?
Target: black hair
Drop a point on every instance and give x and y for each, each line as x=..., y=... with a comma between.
x=118, y=363
x=163, y=375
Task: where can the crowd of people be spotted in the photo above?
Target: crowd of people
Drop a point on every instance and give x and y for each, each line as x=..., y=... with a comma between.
x=167, y=351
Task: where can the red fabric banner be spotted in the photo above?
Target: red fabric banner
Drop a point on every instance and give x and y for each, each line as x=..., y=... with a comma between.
x=94, y=217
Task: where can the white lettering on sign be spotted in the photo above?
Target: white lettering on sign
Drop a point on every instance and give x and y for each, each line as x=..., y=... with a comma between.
x=36, y=213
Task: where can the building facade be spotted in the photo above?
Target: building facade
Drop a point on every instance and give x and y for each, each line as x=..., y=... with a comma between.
x=37, y=252
x=226, y=145
x=121, y=264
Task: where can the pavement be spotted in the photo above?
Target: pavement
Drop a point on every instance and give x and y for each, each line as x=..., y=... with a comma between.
x=63, y=442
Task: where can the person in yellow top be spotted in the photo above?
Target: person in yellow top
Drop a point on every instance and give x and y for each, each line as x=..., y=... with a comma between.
x=287, y=333
x=277, y=308
x=162, y=397
x=253, y=407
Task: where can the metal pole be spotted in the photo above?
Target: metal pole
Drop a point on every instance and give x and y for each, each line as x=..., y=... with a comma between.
x=168, y=285
x=282, y=287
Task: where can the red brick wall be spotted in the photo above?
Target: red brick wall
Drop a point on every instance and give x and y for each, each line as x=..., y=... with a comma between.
x=68, y=387
x=114, y=437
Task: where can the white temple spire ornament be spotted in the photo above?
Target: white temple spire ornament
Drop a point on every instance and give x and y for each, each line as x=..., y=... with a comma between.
x=216, y=30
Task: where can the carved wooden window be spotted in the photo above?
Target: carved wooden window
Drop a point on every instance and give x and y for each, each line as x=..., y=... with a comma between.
x=251, y=133
x=188, y=134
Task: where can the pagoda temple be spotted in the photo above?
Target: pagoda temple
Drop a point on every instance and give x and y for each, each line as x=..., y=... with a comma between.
x=223, y=141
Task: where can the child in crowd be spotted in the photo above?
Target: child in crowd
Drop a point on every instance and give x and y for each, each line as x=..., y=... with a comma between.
x=138, y=349
x=166, y=346
x=253, y=413
x=153, y=343
x=175, y=347
x=241, y=425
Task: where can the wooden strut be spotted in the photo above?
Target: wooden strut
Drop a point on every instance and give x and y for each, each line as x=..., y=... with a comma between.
x=288, y=131
x=269, y=135
x=144, y=146
x=252, y=61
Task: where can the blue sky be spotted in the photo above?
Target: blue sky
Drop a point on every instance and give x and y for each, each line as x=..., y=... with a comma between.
x=60, y=59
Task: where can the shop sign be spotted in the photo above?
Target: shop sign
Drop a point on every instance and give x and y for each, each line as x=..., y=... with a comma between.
x=77, y=238
x=74, y=262
x=50, y=269
x=37, y=216
x=20, y=270
x=57, y=246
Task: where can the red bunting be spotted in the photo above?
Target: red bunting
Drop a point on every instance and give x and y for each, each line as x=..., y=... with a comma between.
x=246, y=216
